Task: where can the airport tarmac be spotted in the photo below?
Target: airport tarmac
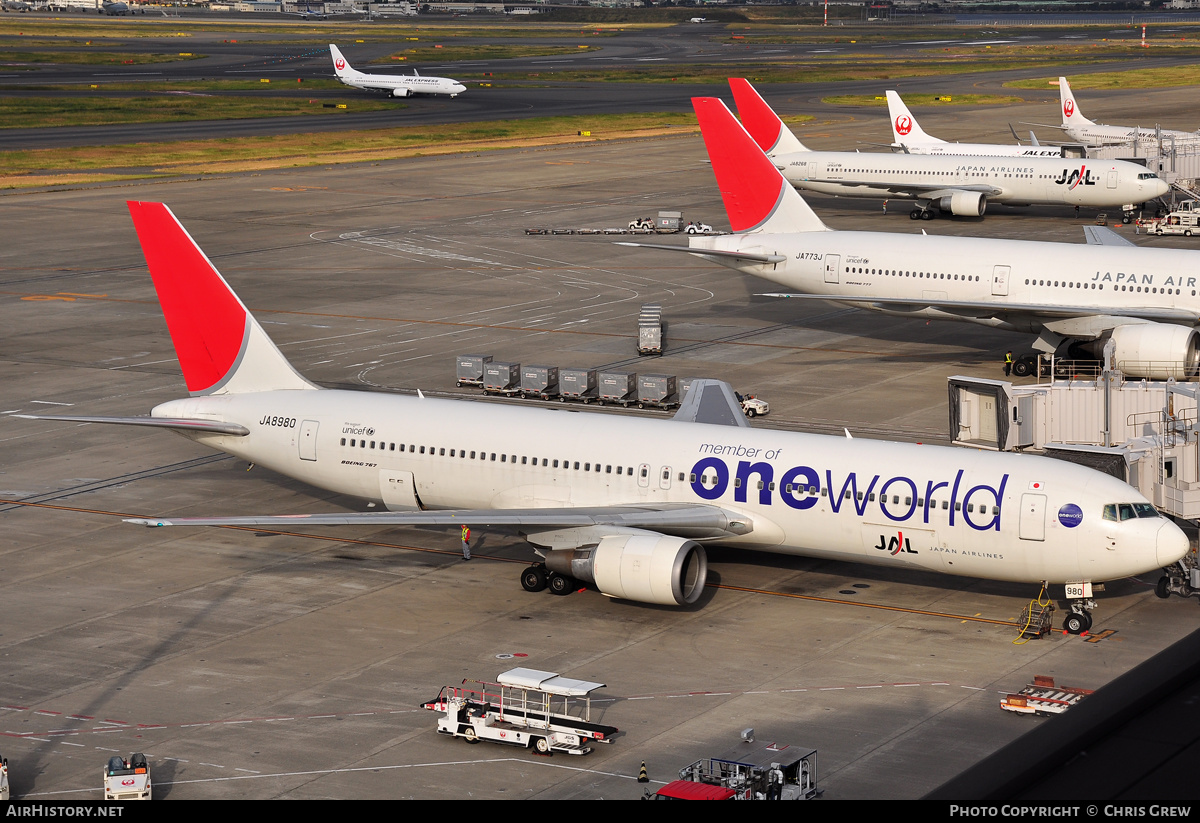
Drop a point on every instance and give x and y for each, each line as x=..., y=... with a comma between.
x=292, y=666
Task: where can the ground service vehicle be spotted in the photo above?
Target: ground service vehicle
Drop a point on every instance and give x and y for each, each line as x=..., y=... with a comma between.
x=755, y=771
x=127, y=779
x=1185, y=220
x=518, y=710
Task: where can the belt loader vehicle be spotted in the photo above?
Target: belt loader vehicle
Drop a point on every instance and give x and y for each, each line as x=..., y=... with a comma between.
x=520, y=710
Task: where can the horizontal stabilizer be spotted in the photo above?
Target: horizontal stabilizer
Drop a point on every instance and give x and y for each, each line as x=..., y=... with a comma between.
x=736, y=255
x=177, y=423
x=711, y=401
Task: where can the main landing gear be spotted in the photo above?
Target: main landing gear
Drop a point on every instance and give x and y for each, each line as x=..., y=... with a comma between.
x=922, y=214
x=536, y=578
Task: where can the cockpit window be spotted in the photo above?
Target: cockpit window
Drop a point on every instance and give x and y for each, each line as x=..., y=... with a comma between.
x=1145, y=510
x=1110, y=511
x=1126, y=510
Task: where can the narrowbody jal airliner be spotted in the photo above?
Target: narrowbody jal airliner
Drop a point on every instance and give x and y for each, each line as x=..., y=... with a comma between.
x=1080, y=128
x=626, y=503
x=396, y=85
x=958, y=185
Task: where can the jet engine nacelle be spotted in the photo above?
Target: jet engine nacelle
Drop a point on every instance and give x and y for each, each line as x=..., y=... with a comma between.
x=964, y=203
x=1156, y=351
x=399, y=92
x=642, y=566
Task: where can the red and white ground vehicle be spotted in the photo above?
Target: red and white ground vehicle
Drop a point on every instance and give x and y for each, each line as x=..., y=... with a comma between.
x=519, y=710
x=127, y=779
x=1184, y=219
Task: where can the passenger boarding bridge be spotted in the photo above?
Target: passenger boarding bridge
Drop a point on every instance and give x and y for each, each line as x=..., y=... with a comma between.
x=1144, y=432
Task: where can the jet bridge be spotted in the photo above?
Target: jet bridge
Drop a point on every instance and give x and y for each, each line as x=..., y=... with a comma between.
x=1144, y=432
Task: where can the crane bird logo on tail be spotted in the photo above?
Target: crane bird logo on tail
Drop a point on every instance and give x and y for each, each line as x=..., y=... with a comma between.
x=903, y=124
x=1069, y=107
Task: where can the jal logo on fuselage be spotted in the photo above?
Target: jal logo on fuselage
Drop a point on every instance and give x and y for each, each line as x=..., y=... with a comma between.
x=1071, y=179
x=900, y=499
x=903, y=124
x=895, y=545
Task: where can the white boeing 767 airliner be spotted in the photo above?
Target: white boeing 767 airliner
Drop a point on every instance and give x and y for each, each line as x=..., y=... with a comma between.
x=626, y=503
x=960, y=185
x=1076, y=298
x=396, y=85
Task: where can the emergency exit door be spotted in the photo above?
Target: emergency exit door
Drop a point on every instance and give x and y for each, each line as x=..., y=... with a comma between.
x=1033, y=517
x=1000, y=280
x=833, y=268
x=307, y=442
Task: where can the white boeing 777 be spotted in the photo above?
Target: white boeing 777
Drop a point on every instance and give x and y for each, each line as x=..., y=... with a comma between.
x=396, y=85
x=957, y=185
x=912, y=139
x=1078, y=127
x=627, y=503
x=1076, y=298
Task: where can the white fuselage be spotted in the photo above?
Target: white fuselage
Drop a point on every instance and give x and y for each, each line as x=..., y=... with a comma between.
x=975, y=513
x=1087, y=279
x=399, y=85
x=1017, y=181
x=1095, y=134
x=942, y=148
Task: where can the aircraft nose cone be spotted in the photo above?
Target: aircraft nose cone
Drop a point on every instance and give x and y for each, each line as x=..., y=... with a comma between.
x=1172, y=544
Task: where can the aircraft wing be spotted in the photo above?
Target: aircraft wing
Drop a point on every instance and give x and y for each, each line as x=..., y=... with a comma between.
x=1101, y=236
x=683, y=520
x=967, y=308
x=178, y=423
x=735, y=255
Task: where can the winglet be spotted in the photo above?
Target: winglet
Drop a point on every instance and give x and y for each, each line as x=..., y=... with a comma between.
x=761, y=121
x=216, y=339
x=756, y=195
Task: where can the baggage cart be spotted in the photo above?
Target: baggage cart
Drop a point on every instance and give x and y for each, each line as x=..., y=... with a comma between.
x=657, y=391
x=539, y=381
x=618, y=387
x=469, y=369
x=502, y=378
x=577, y=384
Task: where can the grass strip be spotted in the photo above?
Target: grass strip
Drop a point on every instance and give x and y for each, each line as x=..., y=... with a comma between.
x=923, y=100
x=71, y=166
x=1130, y=79
x=39, y=112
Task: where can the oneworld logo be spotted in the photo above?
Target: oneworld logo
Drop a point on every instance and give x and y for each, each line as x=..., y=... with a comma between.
x=903, y=124
x=1070, y=515
x=900, y=499
x=1069, y=108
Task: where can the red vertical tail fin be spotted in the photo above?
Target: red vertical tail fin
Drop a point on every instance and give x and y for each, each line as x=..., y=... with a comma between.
x=220, y=346
x=756, y=195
